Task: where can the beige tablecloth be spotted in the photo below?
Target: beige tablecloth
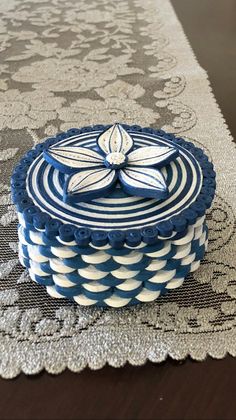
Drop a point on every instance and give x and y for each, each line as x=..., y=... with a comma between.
x=73, y=63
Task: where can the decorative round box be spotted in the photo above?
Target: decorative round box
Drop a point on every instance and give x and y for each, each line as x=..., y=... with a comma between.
x=112, y=215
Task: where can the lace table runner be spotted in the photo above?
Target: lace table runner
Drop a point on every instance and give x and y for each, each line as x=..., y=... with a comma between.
x=75, y=63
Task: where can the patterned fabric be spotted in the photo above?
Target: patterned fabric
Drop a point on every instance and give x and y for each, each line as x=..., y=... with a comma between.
x=109, y=276
x=66, y=64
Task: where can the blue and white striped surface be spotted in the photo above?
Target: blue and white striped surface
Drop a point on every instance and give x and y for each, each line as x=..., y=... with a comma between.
x=117, y=278
x=119, y=210
x=119, y=250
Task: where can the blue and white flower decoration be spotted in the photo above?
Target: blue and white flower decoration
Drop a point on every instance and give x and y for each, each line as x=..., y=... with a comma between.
x=94, y=174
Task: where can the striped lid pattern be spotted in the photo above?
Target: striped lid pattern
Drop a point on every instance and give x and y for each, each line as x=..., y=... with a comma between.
x=119, y=210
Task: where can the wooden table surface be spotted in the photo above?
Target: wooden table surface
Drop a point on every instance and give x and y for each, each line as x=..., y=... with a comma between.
x=171, y=390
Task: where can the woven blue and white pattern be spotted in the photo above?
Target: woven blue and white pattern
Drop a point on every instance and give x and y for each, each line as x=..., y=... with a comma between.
x=119, y=250
x=109, y=277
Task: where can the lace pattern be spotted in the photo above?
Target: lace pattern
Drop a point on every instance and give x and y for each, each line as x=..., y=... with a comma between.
x=75, y=64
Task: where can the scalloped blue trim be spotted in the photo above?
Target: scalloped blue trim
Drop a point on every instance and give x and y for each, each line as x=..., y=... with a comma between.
x=41, y=220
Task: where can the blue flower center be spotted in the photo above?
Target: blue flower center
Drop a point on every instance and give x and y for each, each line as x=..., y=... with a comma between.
x=115, y=160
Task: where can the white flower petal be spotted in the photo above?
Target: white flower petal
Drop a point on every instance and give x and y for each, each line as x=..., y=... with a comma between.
x=152, y=155
x=69, y=158
x=115, y=139
x=89, y=184
x=148, y=182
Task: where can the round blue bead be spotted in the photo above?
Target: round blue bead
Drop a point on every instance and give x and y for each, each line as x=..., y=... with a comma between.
x=188, y=145
x=52, y=228
x=85, y=129
x=169, y=136
x=98, y=127
x=159, y=132
x=82, y=236
x=105, y=127
x=179, y=223
x=61, y=136
x=116, y=238
x=29, y=213
x=206, y=199
x=149, y=234
x=136, y=128
x=20, y=168
x=199, y=208
x=27, y=161
x=17, y=195
x=198, y=152
x=19, y=176
x=149, y=130
x=66, y=232
x=207, y=166
x=208, y=191
x=99, y=238
x=190, y=215
x=204, y=158
x=209, y=173
x=133, y=237
x=165, y=228
x=40, y=220
x=50, y=141
x=40, y=147
x=179, y=141
x=23, y=203
x=209, y=182
x=32, y=154
x=73, y=131
x=125, y=126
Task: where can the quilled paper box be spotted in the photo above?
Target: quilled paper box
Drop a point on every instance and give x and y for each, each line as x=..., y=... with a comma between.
x=112, y=215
